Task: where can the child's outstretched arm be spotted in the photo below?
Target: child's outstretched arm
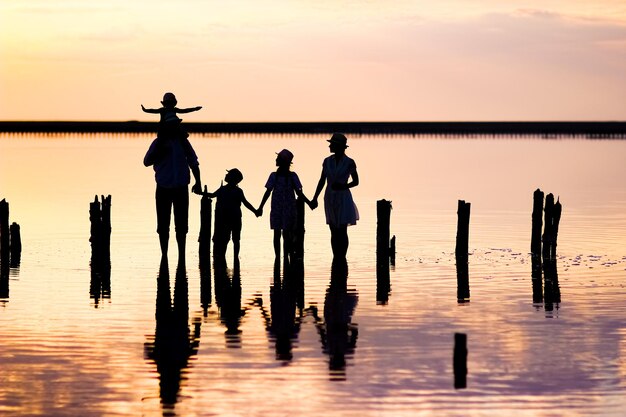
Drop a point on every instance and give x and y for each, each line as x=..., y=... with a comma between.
x=188, y=109
x=157, y=111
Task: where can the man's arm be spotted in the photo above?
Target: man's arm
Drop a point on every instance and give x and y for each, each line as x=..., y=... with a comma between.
x=197, y=187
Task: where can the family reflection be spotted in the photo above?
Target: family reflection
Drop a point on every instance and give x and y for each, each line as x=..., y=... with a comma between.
x=338, y=333
x=228, y=300
x=174, y=344
x=283, y=322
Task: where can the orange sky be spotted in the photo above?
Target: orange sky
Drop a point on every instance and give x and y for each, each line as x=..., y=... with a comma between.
x=280, y=60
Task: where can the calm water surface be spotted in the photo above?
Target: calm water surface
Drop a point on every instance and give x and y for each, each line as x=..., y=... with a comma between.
x=183, y=340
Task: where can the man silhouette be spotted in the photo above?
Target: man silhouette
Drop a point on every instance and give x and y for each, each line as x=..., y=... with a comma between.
x=172, y=157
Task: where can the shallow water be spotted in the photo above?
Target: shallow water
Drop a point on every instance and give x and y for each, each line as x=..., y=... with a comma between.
x=186, y=341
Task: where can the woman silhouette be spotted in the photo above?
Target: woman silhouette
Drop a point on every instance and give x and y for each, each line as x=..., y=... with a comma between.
x=339, y=206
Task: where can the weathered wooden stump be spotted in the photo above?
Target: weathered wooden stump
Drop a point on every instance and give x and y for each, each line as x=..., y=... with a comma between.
x=383, y=215
x=4, y=231
x=15, y=245
x=100, y=230
x=462, y=280
x=462, y=233
x=204, y=238
x=537, y=223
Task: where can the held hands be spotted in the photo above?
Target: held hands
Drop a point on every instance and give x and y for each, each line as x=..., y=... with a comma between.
x=313, y=204
x=197, y=188
x=259, y=212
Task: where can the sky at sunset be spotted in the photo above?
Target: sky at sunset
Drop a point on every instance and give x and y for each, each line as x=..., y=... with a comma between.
x=288, y=60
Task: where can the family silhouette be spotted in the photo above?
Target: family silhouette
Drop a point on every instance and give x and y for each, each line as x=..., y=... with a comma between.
x=173, y=158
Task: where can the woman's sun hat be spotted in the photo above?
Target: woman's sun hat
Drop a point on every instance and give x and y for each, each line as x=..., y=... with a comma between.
x=339, y=139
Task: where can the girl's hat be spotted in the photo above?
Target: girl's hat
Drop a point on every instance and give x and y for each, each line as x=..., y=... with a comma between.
x=169, y=98
x=233, y=176
x=339, y=139
x=285, y=156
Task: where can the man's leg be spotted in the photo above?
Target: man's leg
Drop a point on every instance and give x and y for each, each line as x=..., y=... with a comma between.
x=164, y=201
x=181, y=217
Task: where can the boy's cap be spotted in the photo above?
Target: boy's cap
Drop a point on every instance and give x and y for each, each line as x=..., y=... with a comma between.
x=169, y=98
x=234, y=176
x=285, y=156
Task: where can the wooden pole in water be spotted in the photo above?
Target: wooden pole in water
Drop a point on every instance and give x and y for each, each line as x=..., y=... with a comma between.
x=556, y=219
x=392, y=251
x=460, y=360
x=535, y=241
x=548, y=228
x=206, y=209
x=105, y=217
x=383, y=215
x=95, y=219
x=4, y=230
x=462, y=233
x=16, y=244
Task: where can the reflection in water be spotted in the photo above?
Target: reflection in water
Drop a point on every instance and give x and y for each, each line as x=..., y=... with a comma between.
x=205, y=284
x=173, y=343
x=283, y=324
x=338, y=333
x=228, y=300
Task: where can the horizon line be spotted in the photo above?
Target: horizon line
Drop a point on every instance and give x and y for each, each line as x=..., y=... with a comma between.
x=543, y=128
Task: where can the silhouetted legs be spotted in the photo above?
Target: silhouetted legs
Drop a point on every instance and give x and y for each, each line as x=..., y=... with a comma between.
x=178, y=199
x=339, y=240
x=287, y=236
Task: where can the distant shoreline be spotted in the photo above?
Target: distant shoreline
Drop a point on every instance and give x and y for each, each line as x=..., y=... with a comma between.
x=589, y=129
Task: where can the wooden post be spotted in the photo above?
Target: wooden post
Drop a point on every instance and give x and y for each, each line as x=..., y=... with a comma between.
x=552, y=292
x=460, y=360
x=106, y=226
x=537, y=278
x=535, y=241
x=206, y=209
x=16, y=245
x=548, y=228
x=4, y=280
x=383, y=216
x=556, y=219
x=383, y=281
x=4, y=231
x=462, y=233
x=392, y=251
x=95, y=219
x=462, y=280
